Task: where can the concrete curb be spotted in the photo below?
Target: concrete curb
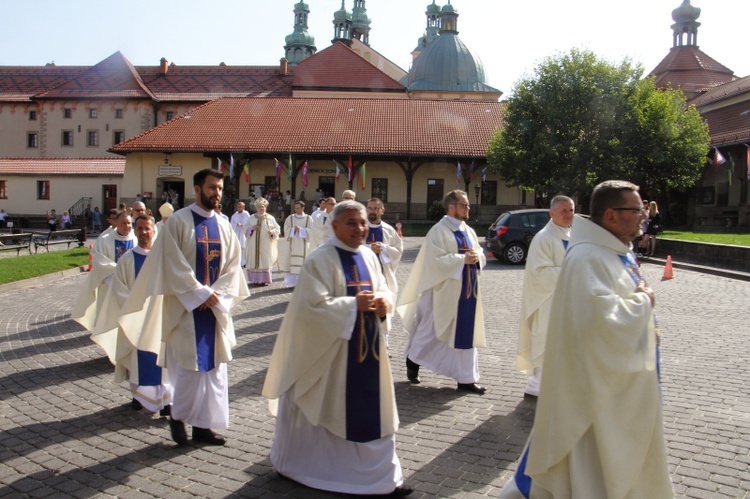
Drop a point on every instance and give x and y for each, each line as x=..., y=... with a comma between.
x=731, y=274
x=40, y=280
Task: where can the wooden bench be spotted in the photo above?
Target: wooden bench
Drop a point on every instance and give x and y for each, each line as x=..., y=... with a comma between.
x=67, y=236
x=16, y=242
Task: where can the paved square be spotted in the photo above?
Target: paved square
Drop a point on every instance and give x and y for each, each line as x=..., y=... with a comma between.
x=67, y=430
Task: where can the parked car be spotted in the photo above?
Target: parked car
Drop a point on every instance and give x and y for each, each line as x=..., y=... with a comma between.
x=511, y=234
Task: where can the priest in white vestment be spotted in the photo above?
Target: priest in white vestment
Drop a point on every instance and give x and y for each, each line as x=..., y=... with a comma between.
x=441, y=303
x=261, y=251
x=111, y=222
x=329, y=377
x=239, y=223
x=322, y=223
x=194, y=278
x=107, y=250
x=598, y=429
x=149, y=383
x=297, y=233
x=546, y=253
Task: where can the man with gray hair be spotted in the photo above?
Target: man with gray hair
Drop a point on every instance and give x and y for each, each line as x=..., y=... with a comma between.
x=546, y=254
x=598, y=430
x=329, y=377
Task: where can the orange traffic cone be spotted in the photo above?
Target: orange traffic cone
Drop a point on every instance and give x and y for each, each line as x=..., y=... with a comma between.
x=88, y=269
x=668, y=270
x=398, y=230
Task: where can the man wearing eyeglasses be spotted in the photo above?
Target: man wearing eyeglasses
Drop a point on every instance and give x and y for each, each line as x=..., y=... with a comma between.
x=598, y=430
x=441, y=304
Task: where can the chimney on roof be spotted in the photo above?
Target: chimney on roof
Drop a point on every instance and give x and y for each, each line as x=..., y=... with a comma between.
x=283, y=66
x=163, y=66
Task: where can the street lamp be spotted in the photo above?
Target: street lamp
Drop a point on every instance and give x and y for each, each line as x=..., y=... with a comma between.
x=477, y=190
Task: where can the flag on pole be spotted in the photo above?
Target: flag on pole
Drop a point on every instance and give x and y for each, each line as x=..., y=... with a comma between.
x=231, y=165
x=278, y=171
x=459, y=177
x=221, y=165
x=484, y=174
x=350, y=168
x=471, y=170
x=289, y=169
x=362, y=173
x=718, y=159
x=304, y=174
x=747, y=161
x=246, y=169
x=338, y=170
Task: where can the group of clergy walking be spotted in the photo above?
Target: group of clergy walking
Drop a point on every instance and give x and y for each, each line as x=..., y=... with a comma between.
x=161, y=309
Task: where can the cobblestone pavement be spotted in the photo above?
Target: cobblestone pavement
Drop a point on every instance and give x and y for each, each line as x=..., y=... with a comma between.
x=67, y=430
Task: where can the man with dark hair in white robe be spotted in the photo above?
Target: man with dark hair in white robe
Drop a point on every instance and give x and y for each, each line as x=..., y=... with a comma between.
x=194, y=280
x=441, y=304
x=329, y=371
x=598, y=430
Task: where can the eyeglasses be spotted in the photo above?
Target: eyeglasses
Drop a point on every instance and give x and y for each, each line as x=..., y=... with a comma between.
x=465, y=205
x=641, y=210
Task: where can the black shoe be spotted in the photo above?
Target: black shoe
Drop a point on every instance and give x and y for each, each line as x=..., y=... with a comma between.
x=402, y=490
x=471, y=387
x=166, y=411
x=412, y=371
x=177, y=428
x=207, y=436
x=135, y=405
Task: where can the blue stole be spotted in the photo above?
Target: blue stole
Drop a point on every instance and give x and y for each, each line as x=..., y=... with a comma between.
x=375, y=235
x=122, y=247
x=565, y=244
x=467, y=302
x=632, y=267
x=208, y=259
x=363, y=359
x=149, y=374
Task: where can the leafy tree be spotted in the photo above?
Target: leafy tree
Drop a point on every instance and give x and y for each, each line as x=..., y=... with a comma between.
x=581, y=120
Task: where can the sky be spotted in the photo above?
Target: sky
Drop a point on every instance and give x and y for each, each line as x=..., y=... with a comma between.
x=511, y=37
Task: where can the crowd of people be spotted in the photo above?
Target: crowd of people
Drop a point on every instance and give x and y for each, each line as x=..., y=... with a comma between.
x=159, y=302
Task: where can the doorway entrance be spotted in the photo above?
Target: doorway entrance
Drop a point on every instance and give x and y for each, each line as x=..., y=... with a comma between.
x=434, y=191
x=109, y=197
x=327, y=186
x=171, y=187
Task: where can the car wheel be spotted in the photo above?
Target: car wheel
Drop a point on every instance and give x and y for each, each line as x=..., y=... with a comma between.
x=515, y=253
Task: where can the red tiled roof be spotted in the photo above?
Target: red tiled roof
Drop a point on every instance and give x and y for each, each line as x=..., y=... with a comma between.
x=725, y=91
x=114, y=77
x=325, y=126
x=339, y=67
x=730, y=124
x=203, y=83
x=19, y=83
x=691, y=69
x=62, y=166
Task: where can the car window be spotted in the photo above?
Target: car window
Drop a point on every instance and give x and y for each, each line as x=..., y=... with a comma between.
x=542, y=219
x=527, y=220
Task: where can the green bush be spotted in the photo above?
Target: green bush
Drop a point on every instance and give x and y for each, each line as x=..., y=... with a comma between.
x=436, y=211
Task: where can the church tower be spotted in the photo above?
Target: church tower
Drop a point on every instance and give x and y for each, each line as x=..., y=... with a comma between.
x=432, y=29
x=299, y=45
x=360, y=22
x=686, y=66
x=342, y=25
x=685, y=27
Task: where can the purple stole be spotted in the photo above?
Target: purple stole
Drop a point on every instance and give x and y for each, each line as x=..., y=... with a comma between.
x=635, y=273
x=149, y=374
x=208, y=260
x=467, y=302
x=363, y=359
x=122, y=247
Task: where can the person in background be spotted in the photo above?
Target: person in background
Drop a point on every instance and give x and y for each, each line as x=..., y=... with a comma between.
x=262, y=232
x=654, y=226
x=52, y=220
